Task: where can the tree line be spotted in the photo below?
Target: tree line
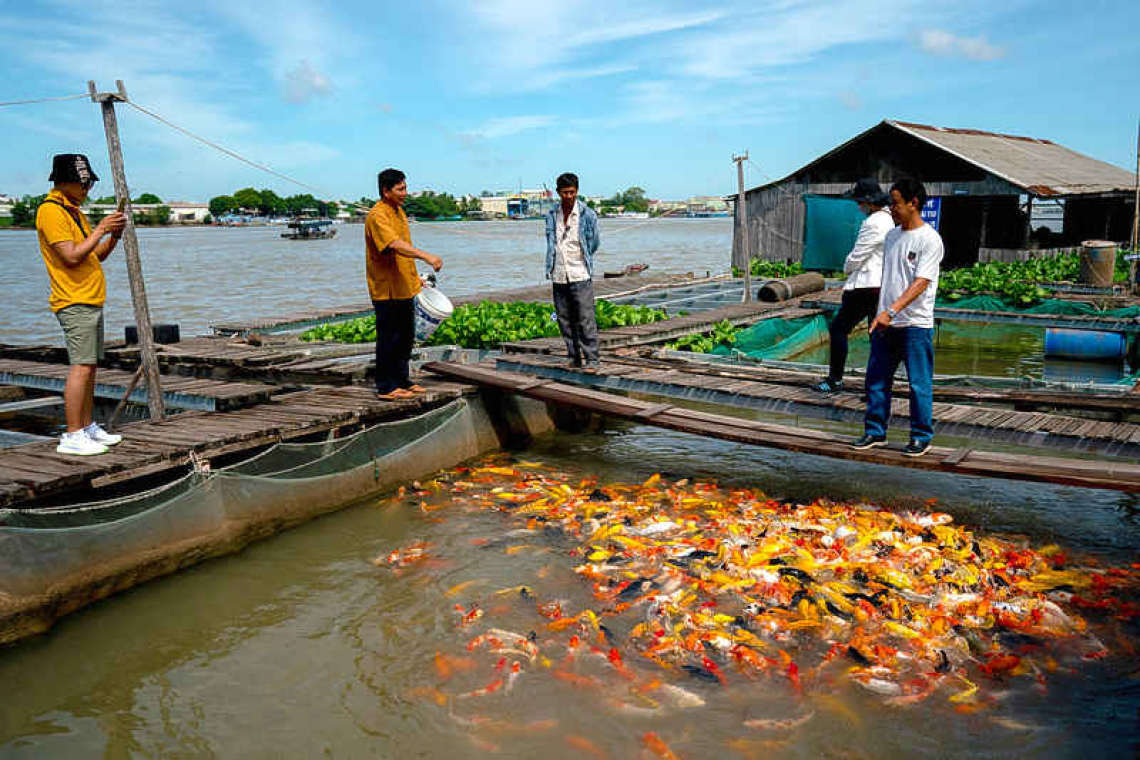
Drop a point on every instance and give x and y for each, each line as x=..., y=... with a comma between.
x=268, y=203
x=24, y=210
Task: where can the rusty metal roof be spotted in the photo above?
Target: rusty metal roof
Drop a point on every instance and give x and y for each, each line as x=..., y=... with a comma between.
x=1040, y=167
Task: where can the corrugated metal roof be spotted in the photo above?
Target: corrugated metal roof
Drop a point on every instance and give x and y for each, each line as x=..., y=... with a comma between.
x=1042, y=167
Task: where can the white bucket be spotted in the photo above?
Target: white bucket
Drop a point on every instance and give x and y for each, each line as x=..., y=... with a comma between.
x=432, y=307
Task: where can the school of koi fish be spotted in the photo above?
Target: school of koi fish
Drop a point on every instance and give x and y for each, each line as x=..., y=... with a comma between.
x=699, y=588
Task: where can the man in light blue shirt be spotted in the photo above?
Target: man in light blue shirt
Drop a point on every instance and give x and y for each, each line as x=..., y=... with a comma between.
x=572, y=238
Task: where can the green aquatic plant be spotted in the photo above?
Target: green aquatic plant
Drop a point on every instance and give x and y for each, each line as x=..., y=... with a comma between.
x=723, y=334
x=489, y=324
x=1018, y=282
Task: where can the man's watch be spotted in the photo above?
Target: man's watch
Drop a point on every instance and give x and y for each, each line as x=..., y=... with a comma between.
x=891, y=313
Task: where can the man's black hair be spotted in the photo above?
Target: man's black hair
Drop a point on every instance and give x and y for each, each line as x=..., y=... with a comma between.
x=569, y=179
x=910, y=188
x=388, y=179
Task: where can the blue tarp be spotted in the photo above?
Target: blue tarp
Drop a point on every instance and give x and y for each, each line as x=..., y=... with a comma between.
x=830, y=228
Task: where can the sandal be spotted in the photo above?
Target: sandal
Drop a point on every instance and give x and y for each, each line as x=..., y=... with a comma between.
x=399, y=394
x=416, y=388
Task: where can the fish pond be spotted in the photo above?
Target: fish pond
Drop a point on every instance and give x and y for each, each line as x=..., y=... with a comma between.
x=627, y=592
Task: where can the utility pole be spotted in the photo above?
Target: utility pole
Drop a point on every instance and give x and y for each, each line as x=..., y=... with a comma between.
x=742, y=215
x=149, y=360
x=1135, y=213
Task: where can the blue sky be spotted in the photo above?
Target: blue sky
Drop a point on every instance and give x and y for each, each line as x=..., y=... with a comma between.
x=483, y=95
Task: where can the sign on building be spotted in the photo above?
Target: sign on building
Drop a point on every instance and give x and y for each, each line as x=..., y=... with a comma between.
x=932, y=211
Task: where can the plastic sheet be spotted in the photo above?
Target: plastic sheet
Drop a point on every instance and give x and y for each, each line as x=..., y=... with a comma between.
x=777, y=339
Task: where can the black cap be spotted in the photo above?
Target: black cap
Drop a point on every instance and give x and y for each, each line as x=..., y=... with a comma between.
x=72, y=167
x=868, y=191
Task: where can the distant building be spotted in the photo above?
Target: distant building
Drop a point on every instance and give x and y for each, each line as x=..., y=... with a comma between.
x=667, y=207
x=181, y=212
x=707, y=205
x=494, y=206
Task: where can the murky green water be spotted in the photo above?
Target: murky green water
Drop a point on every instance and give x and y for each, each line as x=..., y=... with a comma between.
x=984, y=350
x=300, y=646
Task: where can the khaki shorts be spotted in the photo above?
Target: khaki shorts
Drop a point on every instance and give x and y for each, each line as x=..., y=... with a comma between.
x=83, y=329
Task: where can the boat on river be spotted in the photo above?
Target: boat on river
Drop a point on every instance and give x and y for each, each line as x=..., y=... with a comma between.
x=309, y=229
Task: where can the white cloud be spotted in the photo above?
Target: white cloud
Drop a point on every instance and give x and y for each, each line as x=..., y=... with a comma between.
x=505, y=126
x=305, y=83
x=939, y=42
x=327, y=49
x=534, y=48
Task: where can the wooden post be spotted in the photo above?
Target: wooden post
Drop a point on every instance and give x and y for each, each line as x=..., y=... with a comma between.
x=742, y=215
x=149, y=363
x=1135, y=217
x=1028, y=221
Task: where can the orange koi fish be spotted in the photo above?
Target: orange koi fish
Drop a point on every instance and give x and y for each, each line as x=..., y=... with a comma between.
x=658, y=747
x=585, y=745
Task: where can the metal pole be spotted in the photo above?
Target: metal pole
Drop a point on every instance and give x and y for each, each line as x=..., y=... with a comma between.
x=742, y=215
x=1135, y=219
x=149, y=361
x=1136, y=197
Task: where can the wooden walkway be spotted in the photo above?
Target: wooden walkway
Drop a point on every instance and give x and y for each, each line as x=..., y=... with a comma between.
x=1115, y=405
x=1027, y=428
x=34, y=471
x=179, y=392
x=1088, y=473
x=603, y=287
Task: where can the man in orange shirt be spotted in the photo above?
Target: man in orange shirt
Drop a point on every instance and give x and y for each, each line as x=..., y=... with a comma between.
x=73, y=253
x=393, y=284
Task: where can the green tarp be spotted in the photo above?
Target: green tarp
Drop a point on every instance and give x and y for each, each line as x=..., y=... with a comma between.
x=1055, y=306
x=830, y=228
x=777, y=339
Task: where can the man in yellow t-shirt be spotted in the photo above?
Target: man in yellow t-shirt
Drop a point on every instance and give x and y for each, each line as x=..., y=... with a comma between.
x=393, y=284
x=73, y=253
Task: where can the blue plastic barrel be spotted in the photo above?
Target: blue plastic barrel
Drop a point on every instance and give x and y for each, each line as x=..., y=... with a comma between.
x=1085, y=345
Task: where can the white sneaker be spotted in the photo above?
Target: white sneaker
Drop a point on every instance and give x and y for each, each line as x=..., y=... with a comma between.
x=79, y=444
x=96, y=433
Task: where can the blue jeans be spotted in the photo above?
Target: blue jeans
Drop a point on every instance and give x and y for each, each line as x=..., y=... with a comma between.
x=914, y=347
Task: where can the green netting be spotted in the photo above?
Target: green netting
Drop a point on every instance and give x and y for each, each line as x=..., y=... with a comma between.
x=286, y=483
x=777, y=339
x=94, y=512
x=830, y=228
x=1054, y=306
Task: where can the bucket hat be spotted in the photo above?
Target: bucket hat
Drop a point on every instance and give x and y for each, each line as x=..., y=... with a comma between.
x=867, y=191
x=72, y=167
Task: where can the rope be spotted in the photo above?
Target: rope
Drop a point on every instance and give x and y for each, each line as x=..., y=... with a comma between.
x=228, y=152
x=45, y=100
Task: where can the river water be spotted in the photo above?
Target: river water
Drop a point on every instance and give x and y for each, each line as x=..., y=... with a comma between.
x=302, y=646
x=199, y=276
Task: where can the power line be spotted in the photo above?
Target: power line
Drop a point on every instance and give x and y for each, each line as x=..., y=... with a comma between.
x=228, y=152
x=46, y=100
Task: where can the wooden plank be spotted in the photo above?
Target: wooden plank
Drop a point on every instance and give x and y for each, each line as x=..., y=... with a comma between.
x=1120, y=476
x=956, y=456
x=652, y=411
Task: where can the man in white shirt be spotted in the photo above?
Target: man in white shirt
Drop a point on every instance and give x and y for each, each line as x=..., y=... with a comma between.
x=903, y=331
x=572, y=238
x=864, y=270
